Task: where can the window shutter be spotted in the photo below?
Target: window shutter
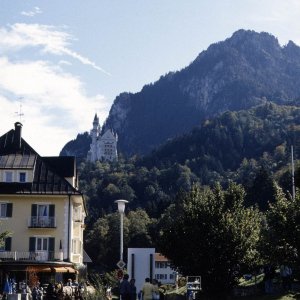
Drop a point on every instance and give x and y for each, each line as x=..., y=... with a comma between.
x=51, y=248
x=8, y=244
x=33, y=210
x=9, y=208
x=51, y=210
x=32, y=244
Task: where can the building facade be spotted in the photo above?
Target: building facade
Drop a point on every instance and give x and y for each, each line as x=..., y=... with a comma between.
x=43, y=211
x=145, y=262
x=163, y=270
x=103, y=147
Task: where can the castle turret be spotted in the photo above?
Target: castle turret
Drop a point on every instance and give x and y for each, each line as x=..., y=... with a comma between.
x=96, y=129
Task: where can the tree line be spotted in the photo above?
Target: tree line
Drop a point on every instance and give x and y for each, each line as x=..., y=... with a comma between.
x=226, y=207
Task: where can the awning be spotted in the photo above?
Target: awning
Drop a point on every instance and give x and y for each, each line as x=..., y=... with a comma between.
x=65, y=270
x=38, y=269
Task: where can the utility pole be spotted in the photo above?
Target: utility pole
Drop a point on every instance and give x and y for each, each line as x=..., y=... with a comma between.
x=293, y=174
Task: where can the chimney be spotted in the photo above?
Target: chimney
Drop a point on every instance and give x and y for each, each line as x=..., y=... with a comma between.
x=18, y=135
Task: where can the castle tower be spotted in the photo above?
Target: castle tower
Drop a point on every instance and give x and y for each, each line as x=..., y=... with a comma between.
x=96, y=129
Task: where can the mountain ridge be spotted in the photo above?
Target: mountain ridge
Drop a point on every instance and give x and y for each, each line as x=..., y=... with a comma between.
x=240, y=72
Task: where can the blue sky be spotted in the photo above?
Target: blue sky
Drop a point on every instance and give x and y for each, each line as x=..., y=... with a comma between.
x=62, y=61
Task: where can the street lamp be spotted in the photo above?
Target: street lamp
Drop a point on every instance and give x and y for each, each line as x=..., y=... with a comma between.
x=121, y=208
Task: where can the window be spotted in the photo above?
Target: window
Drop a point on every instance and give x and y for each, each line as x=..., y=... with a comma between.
x=42, y=215
x=42, y=248
x=6, y=245
x=161, y=265
x=8, y=176
x=77, y=216
x=43, y=210
x=5, y=210
x=161, y=276
x=41, y=244
x=76, y=246
x=22, y=177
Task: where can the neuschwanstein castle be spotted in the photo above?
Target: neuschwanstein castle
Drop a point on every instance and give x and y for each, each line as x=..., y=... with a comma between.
x=103, y=147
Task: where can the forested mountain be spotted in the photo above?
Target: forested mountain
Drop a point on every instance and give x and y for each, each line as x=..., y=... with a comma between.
x=251, y=147
x=215, y=142
x=220, y=144
x=78, y=147
x=246, y=69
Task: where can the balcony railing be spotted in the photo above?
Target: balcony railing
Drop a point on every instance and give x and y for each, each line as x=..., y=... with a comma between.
x=30, y=256
x=42, y=222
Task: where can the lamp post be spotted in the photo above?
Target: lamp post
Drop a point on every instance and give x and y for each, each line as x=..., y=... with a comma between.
x=121, y=208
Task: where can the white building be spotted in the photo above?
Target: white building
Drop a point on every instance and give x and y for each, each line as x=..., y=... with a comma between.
x=163, y=271
x=103, y=147
x=144, y=262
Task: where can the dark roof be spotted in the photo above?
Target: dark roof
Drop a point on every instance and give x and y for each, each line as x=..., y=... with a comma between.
x=17, y=161
x=49, y=172
x=64, y=165
x=8, y=146
x=86, y=258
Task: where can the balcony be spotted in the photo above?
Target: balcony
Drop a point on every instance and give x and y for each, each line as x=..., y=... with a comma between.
x=42, y=222
x=30, y=256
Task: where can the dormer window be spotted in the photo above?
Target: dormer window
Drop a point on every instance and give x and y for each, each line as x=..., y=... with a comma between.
x=8, y=176
x=22, y=177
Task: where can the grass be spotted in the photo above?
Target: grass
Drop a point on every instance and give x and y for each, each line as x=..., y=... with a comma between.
x=246, y=284
x=289, y=296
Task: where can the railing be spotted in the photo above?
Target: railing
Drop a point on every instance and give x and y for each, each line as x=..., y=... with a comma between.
x=42, y=222
x=30, y=256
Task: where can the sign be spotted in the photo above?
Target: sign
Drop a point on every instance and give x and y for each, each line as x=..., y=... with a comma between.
x=121, y=264
x=120, y=274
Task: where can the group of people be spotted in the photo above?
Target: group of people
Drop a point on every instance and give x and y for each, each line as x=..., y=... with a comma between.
x=70, y=290
x=149, y=291
x=285, y=276
x=128, y=288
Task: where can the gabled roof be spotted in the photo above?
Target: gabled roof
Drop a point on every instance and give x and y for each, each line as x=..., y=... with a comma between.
x=108, y=135
x=49, y=172
x=160, y=257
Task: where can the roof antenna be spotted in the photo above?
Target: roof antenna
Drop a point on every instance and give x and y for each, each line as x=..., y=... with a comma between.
x=20, y=113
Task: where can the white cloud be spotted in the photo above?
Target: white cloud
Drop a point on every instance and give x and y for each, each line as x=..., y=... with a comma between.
x=64, y=62
x=55, y=105
x=36, y=10
x=51, y=40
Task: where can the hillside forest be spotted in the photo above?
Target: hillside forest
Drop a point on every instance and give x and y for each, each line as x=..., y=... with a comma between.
x=220, y=195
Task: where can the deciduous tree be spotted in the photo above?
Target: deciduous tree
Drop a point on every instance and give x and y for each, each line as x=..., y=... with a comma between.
x=209, y=232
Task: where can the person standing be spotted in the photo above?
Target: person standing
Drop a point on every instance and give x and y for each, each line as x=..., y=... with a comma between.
x=269, y=271
x=286, y=277
x=132, y=289
x=147, y=290
x=125, y=288
x=155, y=295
